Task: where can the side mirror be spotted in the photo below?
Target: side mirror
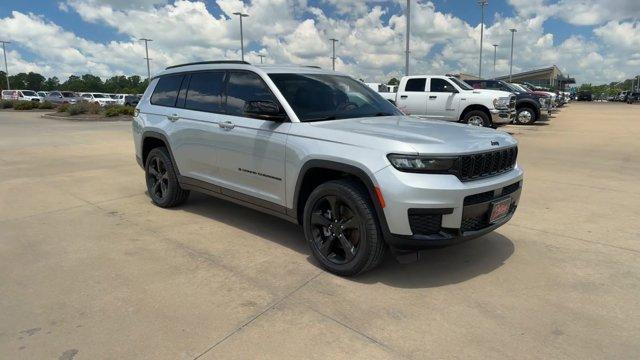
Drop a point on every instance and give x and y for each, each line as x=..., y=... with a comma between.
x=267, y=110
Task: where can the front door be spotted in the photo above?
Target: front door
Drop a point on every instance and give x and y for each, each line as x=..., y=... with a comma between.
x=251, y=154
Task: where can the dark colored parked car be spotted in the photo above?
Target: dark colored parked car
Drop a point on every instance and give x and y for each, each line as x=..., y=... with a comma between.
x=585, y=96
x=131, y=100
x=530, y=107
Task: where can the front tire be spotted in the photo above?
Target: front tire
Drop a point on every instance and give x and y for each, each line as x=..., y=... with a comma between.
x=477, y=118
x=341, y=228
x=525, y=116
x=162, y=181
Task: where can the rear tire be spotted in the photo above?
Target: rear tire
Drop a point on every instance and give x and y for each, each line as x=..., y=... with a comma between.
x=477, y=118
x=162, y=181
x=341, y=228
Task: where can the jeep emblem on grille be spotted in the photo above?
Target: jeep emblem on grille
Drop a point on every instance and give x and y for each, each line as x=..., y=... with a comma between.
x=495, y=143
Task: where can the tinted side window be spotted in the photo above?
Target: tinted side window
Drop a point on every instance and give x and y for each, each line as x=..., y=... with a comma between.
x=441, y=85
x=416, y=85
x=205, y=91
x=166, y=91
x=244, y=87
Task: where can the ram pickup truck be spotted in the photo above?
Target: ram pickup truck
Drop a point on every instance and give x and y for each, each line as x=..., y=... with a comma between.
x=530, y=107
x=450, y=99
x=321, y=149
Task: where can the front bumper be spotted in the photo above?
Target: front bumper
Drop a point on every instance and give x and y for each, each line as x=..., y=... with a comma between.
x=460, y=209
x=502, y=116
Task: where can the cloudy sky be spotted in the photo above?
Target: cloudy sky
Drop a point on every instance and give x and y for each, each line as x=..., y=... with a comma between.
x=594, y=40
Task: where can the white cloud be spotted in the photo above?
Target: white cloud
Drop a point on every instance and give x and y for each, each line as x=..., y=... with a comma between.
x=371, y=42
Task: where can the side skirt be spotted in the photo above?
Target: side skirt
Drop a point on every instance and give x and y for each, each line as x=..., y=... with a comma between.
x=249, y=201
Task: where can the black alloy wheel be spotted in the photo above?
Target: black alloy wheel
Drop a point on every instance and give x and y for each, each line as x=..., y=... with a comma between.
x=342, y=229
x=158, y=179
x=337, y=229
x=162, y=182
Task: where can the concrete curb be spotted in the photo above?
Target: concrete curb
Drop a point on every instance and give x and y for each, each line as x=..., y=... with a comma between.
x=87, y=118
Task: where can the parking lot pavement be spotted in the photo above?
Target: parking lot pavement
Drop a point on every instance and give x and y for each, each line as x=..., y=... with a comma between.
x=89, y=268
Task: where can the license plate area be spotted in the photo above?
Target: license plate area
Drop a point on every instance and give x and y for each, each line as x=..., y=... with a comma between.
x=499, y=209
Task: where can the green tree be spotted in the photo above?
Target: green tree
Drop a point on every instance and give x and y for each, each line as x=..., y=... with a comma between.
x=34, y=81
x=393, y=81
x=51, y=84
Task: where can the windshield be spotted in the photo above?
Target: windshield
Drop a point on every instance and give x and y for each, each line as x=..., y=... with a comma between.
x=463, y=85
x=521, y=88
x=28, y=93
x=512, y=87
x=98, y=96
x=68, y=94
x=317, y=97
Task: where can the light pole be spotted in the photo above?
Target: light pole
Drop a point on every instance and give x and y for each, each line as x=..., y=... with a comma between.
x=407, y=36
x=6, y=68
x=513, y=33
x=495, y=51
x=261, y=57
x=482, y=4
x=333, y=58
x=146, y=49
x=241, y=15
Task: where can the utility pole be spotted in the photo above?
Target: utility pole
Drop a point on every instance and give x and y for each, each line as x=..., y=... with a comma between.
x=261, y=57
x=241, y=15
x=407, y=36
x=513, y=33
x=482, y=4
x=146, y=49
x=495, y=51
x=6, y=68
x=333, y=58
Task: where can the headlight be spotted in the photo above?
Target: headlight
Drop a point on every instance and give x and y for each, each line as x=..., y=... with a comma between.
x=501, y=103
x=427, y=164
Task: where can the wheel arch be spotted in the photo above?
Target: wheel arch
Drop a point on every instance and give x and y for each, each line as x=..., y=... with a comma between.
x=154, y=139
x=530, y=104
x=473, y=107
x=315, y=172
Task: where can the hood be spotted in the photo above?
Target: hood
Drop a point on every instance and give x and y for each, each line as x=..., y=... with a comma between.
x=410, y=134
x=492, y=93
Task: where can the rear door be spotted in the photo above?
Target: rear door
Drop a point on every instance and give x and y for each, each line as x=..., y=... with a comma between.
x=412, y=98
x=196, y=134
x=252, y=151
x=443, y=100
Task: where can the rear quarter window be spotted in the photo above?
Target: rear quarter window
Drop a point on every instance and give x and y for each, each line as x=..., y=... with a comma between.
x=166, y=91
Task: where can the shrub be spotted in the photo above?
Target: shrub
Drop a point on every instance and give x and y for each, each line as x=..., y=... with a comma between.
x=127, y=110
x=111, y=111
x=45, y=105
x=63, y=108
x=6, y=104
x=25, y=105
x=76, y=109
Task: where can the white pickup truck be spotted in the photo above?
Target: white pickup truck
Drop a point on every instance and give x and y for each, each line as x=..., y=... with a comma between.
x=450, y=99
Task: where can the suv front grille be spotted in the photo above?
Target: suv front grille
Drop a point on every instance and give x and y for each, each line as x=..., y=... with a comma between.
x=478, y=166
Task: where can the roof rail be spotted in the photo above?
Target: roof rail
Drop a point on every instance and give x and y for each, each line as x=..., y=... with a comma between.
x=209, y=62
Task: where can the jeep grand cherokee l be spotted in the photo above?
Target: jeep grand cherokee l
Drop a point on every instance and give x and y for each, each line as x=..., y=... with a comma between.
x=323, y=150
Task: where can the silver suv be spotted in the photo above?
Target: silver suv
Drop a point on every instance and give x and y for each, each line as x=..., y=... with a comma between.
x=323, y=150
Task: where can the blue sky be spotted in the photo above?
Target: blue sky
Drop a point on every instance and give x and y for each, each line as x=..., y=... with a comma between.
x=582, y=37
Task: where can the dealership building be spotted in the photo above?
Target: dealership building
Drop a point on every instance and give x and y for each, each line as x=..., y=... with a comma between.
x=550, y=77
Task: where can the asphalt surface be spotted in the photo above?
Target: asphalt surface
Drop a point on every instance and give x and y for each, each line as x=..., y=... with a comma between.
x=90, y=269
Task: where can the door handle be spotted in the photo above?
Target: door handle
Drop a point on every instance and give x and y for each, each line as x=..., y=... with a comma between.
x=227, y=125
x=173, y=117
x=432, y=97
x=403, y=96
